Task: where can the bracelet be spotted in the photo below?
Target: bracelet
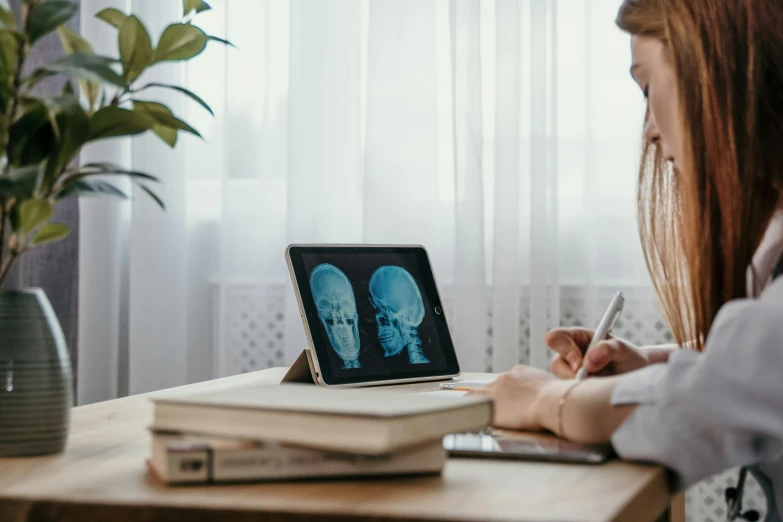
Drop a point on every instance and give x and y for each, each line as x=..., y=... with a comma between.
x=560, y=405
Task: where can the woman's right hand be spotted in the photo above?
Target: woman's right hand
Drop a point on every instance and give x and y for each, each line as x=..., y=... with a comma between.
x=611, y=356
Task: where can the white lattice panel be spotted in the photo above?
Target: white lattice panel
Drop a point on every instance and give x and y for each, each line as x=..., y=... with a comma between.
x=705, y=502
x=254, y=330
x=253, y=338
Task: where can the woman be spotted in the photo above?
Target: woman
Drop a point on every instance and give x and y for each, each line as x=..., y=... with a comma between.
x=709, y=198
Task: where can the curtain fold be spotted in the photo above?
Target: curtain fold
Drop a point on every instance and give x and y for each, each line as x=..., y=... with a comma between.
x=159, y=335
x=103, y=259
x=500, y=134
x=468, y=313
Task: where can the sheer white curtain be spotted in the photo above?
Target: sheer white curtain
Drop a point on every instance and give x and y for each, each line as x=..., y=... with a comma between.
x=501, y=134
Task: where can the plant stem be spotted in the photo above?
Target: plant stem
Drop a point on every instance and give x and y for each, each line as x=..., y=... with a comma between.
x=6, y=267
x=3, y=217
x=15, y=252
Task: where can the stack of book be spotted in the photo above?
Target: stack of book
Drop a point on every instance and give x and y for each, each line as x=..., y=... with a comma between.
x=296, y=431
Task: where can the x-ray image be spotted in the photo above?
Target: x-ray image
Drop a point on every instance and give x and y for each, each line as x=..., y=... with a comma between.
x=336, y=305
x=399, y=310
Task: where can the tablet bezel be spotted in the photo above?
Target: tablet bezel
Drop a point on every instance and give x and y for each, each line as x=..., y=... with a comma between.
x=323, y=371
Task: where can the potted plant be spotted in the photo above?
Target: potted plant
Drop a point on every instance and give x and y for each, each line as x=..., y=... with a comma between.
x=40, y=140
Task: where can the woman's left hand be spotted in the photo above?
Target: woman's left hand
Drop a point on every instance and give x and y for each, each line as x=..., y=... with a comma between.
x=515, y=395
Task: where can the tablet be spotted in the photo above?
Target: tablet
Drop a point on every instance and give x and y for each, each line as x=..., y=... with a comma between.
x=372, y=314
x=524, y=446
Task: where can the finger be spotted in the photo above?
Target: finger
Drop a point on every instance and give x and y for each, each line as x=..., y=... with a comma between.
x=560, y=368
x=581, y=336
x=602, y=354
x=519, y=368
x=564, y=342
x=606, y=372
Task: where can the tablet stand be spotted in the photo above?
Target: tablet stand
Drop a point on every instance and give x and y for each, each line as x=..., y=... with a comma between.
x=302, y=370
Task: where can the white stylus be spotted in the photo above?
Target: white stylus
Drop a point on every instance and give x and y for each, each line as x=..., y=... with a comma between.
x=604, y=327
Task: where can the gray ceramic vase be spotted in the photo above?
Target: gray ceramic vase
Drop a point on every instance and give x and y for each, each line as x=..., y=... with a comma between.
x=35, y=376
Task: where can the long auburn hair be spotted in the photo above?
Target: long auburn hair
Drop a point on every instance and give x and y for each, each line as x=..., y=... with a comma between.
x=701, y=223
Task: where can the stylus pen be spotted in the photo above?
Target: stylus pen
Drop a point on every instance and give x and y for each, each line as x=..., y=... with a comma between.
x=602, y=330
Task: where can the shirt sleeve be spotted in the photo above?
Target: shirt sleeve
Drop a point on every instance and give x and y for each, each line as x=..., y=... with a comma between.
x=700, y=414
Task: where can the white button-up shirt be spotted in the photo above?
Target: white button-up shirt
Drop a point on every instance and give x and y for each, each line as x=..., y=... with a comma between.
x=702, y=413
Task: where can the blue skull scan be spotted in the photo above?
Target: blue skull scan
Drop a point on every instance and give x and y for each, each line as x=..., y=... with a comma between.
x=399, y=310
x=336, y=305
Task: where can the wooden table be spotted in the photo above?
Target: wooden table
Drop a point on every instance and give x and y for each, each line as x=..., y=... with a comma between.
x=102, y=477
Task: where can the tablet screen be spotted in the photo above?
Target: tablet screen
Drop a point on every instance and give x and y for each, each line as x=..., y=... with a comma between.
x=374, y=313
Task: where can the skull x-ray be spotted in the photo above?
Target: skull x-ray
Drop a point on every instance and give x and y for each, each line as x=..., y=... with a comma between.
x=399, y=310
x=336, y=305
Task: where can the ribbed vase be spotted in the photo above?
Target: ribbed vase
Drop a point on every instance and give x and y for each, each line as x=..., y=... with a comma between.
x=35, y=376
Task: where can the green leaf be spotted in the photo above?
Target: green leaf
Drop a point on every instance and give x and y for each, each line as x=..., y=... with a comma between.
x=7, y=18
x=87, y=66
x=180, y=42
x=198, y=5
x=189, y=5
x=34, y=212
x=51, y=115
x=216, y=39
x=167, y=134
x=67, y=89
x=154, y=196
x=184, y=91
x=9, y=55
x=112, y=16
x=75, y=130
x=32, y=139
x=60, y=103
x=46, y=16
x=6, y=186
x=74, y=43
x=21, y=182
x=50, y=233
x=135, y=48
x=13, y=218
x=162, y=116
x=39, y=146
x=54, y=106
x=103, y=168
x=90, y=187
x=26, y=130
x=113, y=121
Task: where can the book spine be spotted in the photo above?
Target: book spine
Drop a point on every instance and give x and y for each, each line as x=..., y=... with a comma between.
x=207, y=465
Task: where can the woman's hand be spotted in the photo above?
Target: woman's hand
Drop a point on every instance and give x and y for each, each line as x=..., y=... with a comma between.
x=515, y=395
x=529, y=399
x=609, y=357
